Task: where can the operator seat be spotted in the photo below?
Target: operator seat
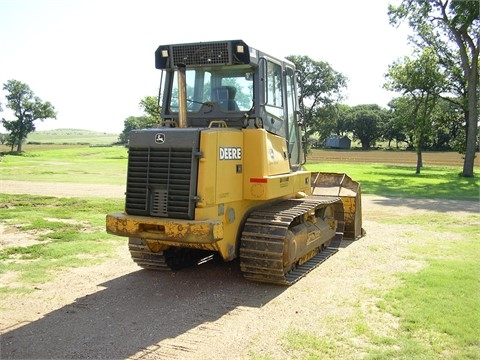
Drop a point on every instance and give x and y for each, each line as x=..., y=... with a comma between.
x=225, y=96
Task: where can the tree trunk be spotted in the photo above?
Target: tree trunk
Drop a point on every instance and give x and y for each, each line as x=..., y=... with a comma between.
x=470, y=72
x=419, y=160
x=471, y=128
x=21, y=134
x=420, y=129
x=365, y=144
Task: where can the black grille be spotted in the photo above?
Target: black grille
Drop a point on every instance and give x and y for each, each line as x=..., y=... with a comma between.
x=201, y=54
x=159, y=182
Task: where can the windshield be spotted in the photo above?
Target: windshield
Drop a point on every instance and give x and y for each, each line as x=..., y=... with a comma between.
x=231, y=88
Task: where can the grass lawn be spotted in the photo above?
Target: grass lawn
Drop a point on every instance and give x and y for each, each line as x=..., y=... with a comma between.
x=77, y=164
x=440, y=182
x=107, y=165
x=60, y=233
x=71, y=136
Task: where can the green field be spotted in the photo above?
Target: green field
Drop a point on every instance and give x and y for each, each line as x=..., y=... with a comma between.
x=71, y=136
x=434, y=182
x=71, y=163
x=107, y=165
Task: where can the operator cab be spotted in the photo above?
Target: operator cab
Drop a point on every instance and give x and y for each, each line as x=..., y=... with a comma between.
x=212, y=93
x=228, y=88
x=230, y=83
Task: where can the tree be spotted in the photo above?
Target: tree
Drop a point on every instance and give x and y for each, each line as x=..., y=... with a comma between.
x=365, y=122
x=328, y=120
x=448, y=132
x=321, y=89
x=151, y=116
x=133, y=123
x=150, y=107
x=401, y=125
x=394, y=126
x=342, y=126
x=452, y=29
x=421, y=82
x=27, y=108
x=2, y=136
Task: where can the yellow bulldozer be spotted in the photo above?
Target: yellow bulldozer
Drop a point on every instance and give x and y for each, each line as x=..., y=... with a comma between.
x=223, y=173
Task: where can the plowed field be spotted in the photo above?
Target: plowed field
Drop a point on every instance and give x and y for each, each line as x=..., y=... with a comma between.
x=389, y=157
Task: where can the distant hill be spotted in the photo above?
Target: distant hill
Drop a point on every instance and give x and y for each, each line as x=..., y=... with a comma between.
x=71, y=136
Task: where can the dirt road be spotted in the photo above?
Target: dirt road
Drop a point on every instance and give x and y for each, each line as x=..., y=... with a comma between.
x=118, y=311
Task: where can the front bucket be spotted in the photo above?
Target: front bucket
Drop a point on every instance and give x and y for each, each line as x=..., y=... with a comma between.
x=339, y=184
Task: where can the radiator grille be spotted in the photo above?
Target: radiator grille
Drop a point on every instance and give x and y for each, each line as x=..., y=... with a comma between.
x=201, y=54
x=159, y=182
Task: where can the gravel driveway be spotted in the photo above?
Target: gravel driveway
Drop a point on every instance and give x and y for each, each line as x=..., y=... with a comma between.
x=118, y=311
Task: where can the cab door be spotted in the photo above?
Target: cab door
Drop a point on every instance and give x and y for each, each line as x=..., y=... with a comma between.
x=293, y=135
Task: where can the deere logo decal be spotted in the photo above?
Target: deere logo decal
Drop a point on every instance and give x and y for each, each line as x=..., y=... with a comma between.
x=159, y=138
x=230, y=153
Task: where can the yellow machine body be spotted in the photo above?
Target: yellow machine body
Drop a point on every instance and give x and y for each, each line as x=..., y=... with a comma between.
x=224, y=174
x=239, y=171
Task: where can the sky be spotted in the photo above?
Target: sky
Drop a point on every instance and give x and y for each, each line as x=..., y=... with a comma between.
x=94, y=59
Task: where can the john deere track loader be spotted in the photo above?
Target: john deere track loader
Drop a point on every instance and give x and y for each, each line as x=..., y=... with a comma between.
x=223, y=173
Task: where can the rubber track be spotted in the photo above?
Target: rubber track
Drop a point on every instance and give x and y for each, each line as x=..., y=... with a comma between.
x=262, y=241
x=161, y=260
x=144, y=258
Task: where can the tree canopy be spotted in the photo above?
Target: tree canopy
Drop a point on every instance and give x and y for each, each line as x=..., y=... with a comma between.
x=421, y=82
x=321, y=90
x=366, y=123
x=27, y=108
x=151, y=117
x=452, y=29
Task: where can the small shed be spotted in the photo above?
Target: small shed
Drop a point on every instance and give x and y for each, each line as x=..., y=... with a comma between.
x=337, y=142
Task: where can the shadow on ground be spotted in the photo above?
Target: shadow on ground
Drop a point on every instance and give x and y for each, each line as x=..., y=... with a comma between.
x=438, y=205
x=136, y=311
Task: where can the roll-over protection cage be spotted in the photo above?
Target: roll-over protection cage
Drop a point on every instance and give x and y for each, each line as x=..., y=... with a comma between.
x=232, y=52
